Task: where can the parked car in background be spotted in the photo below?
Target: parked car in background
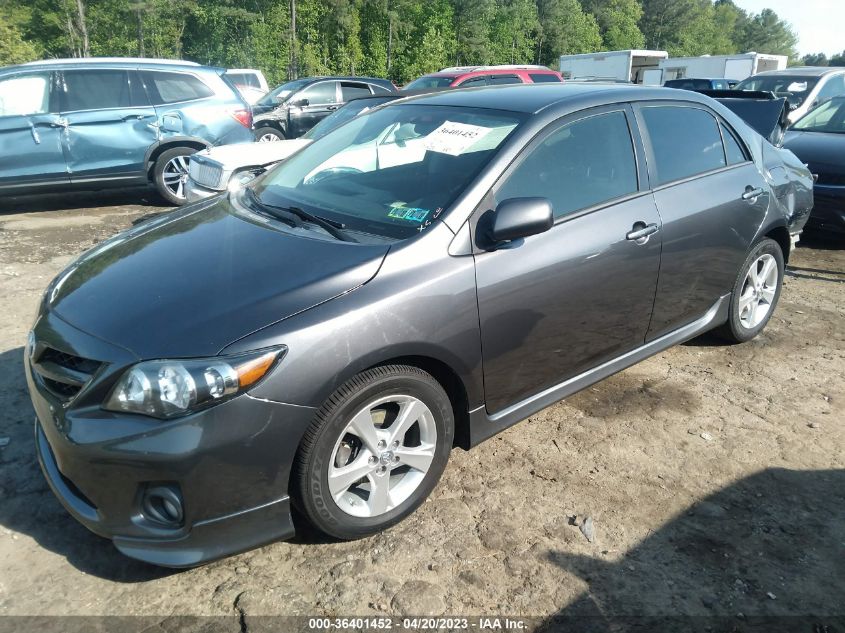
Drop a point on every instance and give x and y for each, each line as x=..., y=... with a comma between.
x=97, y=123
x=818, y=139
x=692, y=83
x=325, y=335
x=293, y=108
x=218, y=169
x=250, y=83
x=475, y=76
x=804, y=87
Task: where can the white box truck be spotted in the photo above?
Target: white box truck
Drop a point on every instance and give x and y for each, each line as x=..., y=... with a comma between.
x=736, y=67
x=624, y=66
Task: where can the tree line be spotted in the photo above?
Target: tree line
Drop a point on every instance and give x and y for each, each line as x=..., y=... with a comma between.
x=398, y=39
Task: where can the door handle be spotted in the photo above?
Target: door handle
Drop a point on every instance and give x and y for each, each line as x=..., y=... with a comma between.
x=331, y=108
x=751, y=194
x=641, y=230
x=139, y=117
x=59, y=123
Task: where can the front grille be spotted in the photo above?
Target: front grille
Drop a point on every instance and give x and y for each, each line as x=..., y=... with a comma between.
x=205, y=174
x=63, y=374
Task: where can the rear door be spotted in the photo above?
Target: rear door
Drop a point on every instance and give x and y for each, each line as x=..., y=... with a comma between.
x=711, y=199
x=557, y=304
x=30, y=132
x=110, y=123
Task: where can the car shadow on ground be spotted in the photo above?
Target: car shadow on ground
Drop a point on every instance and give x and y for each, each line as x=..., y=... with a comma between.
x=28, y=507
x=68, y=201
x=763, y=554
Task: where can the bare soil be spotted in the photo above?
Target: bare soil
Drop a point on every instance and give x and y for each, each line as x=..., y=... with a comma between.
x=714, y=476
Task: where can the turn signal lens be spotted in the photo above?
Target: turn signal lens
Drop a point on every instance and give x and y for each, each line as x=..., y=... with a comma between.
x=170, y=388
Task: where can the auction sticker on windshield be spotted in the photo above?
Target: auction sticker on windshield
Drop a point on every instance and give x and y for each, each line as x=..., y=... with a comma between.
x=454, y=138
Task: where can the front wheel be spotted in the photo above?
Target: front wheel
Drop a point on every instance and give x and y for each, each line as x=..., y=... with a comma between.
x=268, y=134
x=170, y=174
x=374, y=452
x=755, y=292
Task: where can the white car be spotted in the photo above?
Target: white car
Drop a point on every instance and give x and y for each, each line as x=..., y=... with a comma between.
x=219, y=169
x=250, y=83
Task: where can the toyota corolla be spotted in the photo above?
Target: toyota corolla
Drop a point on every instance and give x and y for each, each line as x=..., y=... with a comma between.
x=419, y=279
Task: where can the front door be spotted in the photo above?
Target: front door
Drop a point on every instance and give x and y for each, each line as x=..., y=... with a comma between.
x=323, y=99
x=110, y=124
x=560, y=303
x=30, y=133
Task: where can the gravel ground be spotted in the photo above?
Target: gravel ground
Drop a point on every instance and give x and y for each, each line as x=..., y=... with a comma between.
x=713, y=475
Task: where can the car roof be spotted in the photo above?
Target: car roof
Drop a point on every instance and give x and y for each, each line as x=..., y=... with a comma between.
x=462, y=71
x=808, y=71
x=532, y=98
x=119, y=62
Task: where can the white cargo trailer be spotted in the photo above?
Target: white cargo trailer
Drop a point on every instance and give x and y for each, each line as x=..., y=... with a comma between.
x=627, y=66
x=736, y=67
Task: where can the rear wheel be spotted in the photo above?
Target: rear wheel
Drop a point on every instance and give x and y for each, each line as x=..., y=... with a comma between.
x=374, y=452
x=268, y=134
x=170, y=174
x=755, y=292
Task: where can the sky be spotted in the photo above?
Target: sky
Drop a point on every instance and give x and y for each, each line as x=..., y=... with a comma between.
x=820, y=24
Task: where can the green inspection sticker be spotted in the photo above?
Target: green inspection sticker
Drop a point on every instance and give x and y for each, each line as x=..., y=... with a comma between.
x=410, y=214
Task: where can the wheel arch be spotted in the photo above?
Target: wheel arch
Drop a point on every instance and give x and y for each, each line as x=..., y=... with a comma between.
x=780, y=234
x=276, y=124
x=162, y=146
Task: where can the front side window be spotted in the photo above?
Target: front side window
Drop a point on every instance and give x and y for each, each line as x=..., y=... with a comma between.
x=833, y=87
x=278, y=94
x=795, y=88
x=25, y=94
x=539, y=78
x=392, y=171
x=828, y=117
x=582, y=164
x=685, y=141
x=429, y=81
x=94, y=90
x=170, y=87
x=474, y=82
x=496, y=80
x=323, y=93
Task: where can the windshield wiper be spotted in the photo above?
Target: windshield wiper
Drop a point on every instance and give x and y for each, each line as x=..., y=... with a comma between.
x=329, y=226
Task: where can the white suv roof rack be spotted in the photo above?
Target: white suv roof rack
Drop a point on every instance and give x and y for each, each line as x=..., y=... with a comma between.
x=112, y=60
x=470, y=69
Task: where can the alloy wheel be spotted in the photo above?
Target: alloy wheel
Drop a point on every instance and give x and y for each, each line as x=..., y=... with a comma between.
x=176, y=175
x=758, y=291
x=268, y=138
x=382, y=456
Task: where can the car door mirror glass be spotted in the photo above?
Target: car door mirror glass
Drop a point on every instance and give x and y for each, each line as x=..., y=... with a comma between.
x=516, y=218
x=300, y=103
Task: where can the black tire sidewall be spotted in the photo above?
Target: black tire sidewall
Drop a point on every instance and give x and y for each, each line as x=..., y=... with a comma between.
x=261, y=131
x=313, y=493
x=158, y=172
x=736, y=330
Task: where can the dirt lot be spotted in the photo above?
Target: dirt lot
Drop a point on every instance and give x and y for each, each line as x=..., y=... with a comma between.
x=715, y=477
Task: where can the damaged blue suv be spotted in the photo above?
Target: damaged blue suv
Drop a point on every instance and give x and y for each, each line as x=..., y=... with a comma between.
x=100, y=122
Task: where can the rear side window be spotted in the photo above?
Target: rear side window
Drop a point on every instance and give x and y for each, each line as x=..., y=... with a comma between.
x=733, y=150
x=350, y=90
x=247, y=80
x=582, y=164
x=170, y=87
x=380, y=89
x=94, y=90
x=539, y=78
x=684, y=142
x=323, y=93
x=496, y=80
x=474, y=82
x=25, y=94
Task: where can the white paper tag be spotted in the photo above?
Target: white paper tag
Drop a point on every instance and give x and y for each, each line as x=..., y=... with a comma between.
x=454, y=138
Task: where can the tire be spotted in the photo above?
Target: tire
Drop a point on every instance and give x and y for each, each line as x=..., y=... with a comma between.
x=268, y=134
x=333, y=452
x=170, y=174
x=745, y=320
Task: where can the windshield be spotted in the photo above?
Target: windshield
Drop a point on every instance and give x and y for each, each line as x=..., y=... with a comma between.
x=344, y=114
x=429, y=81
x=794, y=87
x=280, y=93
x=828, y=117
x=393, y=171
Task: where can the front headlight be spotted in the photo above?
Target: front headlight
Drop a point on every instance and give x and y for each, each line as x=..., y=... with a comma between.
x=170, y=388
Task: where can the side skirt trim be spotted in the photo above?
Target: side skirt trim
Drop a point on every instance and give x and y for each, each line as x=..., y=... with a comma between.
x=484, y=426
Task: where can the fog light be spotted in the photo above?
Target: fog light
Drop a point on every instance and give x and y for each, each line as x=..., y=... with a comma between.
x=163, y=505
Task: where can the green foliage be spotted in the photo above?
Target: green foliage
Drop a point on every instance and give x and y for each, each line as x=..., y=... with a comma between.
x=399, y=39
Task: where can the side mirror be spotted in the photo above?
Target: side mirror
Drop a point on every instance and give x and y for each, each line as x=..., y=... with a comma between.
x=516, y=218
x=300, y=103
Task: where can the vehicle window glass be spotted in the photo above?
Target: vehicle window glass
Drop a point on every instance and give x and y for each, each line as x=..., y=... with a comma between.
x=794, y=87
x=582, y=164
x=322, y=93
x=170, y=87
x=350, y=90
x=24, y=94
x=380, y=89
x=833, y=87
x=539, y=78
x=391, y=171
x=828, y=117
x=94, y=90
x=344, y=114
x=496, y=80
x=474, y=82
x=425, y=82
x=137, y=93
x=685, y=141
x=244, y=80
x=733, y=150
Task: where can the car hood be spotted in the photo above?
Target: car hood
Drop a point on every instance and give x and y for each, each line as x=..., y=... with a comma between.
x=248, y=154
x=817, y=148
x=192, y=282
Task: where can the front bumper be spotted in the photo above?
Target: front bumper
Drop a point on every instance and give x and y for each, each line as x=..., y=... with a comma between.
x=194, y=192
x=230, y=464
x=829, y=210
